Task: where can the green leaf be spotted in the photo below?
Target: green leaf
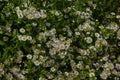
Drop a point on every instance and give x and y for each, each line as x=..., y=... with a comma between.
x=2, y=43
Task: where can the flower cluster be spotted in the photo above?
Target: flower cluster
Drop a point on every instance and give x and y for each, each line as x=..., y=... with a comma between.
x=59, y=40
x=30, y=12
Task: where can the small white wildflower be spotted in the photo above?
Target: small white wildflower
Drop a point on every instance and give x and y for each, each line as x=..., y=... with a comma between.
x=86, y=26
x=114, y=72
x=79, y=65
x=37, y=14
x=76, y=73
x=62, y=55
x=97, y=35
x=84, y=52
x=41, y=36
x=21, y=76
x=24, y=71
x=61, y=46
x=77, y=12
x=66, y=73
x=29, y=38
x=37, y=63
x=15, y=70
x=30, y=16
x=80, y=27
x=92, y=48
x=91, y=74
x=20, y=53
x=52, y=69
x=29, y=56
x=2, y=73
x=34, y=24
x=26, y=12
x=62, y=38
x=101, y=27
x=118, y=16
x=53, y=31
x=35, y=57
x=104, y=42
x=24, y=38
x=39, y=45
x=36, y=51
x=118, y=34
x=114, y=26
x=20, y=14
x=105, y=58
x=117, y=66
x=89, y=40
x=103, y=76
x=22, y=30
x=69, y=33
x=25, y=4
x=44, y=3
x=88, y=9
x=118, y=43
x=57, y=13
x=42, y=14
x=5, y=38
x=9, y=76
x=20, y=37
x=17, y=8
x=77, y=33
x=107, y=72
x=109, y=65
x=52, y=52
x=87, y=33
x=32, y=9
x=48, y=24
x=97, y=43
x=112, y=13
x=118, y=58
